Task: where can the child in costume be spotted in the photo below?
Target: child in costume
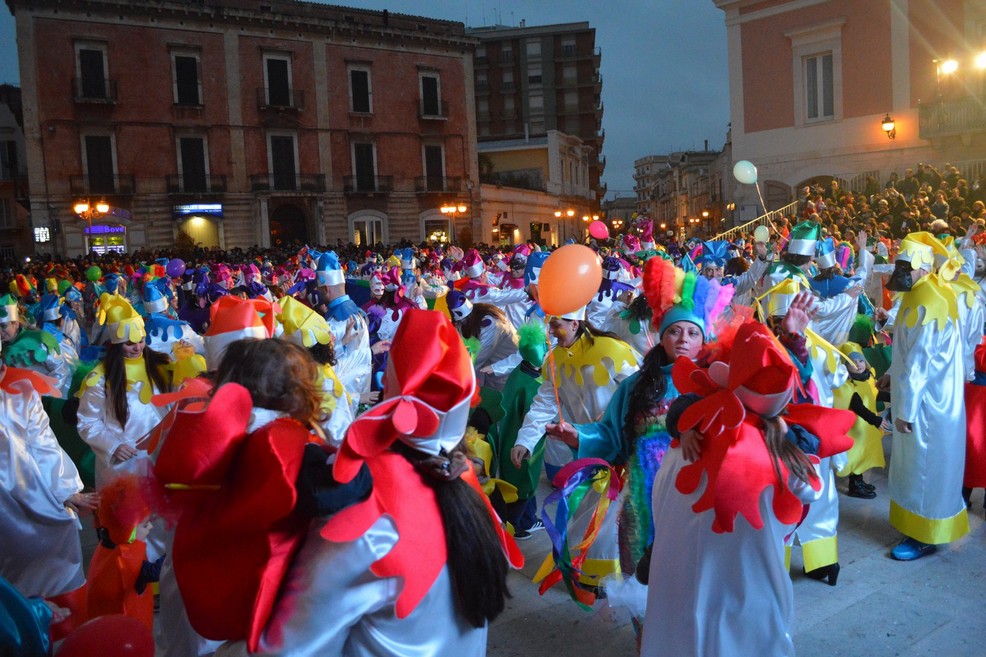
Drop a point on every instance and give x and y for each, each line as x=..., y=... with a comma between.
x=731, y=498
x=119, y=573
x=859, y=395
x=518, y=393
x=497, y=355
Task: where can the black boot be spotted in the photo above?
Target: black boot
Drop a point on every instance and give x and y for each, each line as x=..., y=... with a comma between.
x=829, y=573
x=859, y=488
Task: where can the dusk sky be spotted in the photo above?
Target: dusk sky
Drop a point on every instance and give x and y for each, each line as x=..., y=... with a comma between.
x=665, y=77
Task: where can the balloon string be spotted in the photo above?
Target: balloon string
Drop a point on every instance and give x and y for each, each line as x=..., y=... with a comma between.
x=766, y=212
x=551, y=369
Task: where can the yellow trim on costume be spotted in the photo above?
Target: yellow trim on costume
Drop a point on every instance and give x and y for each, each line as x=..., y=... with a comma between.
x=479, y=448
x=832, y=355
x=935, y=531
x=606, y=358
x=331, y=388
x=966, y=289
x=787, y=557
x=593, y=570
x=935, y=296
x=136, y=371
x=820, y=552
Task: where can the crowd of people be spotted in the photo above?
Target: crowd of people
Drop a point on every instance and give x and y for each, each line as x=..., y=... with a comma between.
x=314, y=450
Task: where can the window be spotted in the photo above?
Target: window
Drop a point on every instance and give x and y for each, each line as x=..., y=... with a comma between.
x=569, y=73
x=187, y=84
x=568, y=47
x=8, y=160
x=434, y=165
x=506, y=54
x=91, y=70
x=817, y=71
x=277, y=80
x=533, y=48
x=192, y=166
x=98, y=160
x=6, y=213
x=480, y=52
x=482, y=82
x=537, y=127
x=431, y=94
x=283, y=161
x=365, y=166
x=819, y=101
x=360, y=91
x=537, y=103
x=534, y=74
x=571, y=100
x=508, y=106
x=508, y=79
x=483, y=108
x=8, y=252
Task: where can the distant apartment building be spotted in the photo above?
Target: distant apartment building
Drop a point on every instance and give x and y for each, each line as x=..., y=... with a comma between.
x=682, y=191
x=16, y=239
x=532, y=80
x=846, y=89
x=241, y=122
x=535, y=189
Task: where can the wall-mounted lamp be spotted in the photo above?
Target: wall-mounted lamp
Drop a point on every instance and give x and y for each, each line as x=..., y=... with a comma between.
x=889, y=127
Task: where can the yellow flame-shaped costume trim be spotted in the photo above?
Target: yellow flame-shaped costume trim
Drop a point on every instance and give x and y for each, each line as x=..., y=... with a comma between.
x=932, y=295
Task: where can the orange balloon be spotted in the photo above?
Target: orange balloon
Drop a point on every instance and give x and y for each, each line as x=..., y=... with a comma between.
x=569, y=279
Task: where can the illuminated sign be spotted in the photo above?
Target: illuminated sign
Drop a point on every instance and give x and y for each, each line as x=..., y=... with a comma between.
x=214, y=209
x=103, y=229
x=42, y=234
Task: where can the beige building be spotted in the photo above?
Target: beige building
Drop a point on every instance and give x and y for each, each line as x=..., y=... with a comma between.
x=535, y=189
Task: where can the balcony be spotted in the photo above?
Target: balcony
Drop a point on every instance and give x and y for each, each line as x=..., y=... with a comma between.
x=280, y=100
x=532, y=179
x=507, y=57
x=951, y=118
x=179, y=184
x=438, y=184
x=508, y=86
x=102, y=185
x=433, y=111
x=85, y=90
x=367, y=184
x=301, y=182
x=481, y=61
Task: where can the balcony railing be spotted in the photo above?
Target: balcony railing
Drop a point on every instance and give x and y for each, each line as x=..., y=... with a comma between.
x=428, y=184
x=299, y=182
x=86, y=185
x=86, y=90
x=532, y=179
x=952, y=117
x=433, y=113
x=367, y=184
x=293, y=99
x=180, y=184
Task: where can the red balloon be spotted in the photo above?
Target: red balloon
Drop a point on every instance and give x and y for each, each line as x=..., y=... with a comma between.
x=599, y=230
x=109, y=636
x=569, y=279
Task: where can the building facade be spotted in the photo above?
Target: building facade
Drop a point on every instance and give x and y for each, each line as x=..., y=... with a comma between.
x=813, y=83
x=16, y=239
x=682, y=191
x=535, y=189
x=531, y=80
x=243, y=123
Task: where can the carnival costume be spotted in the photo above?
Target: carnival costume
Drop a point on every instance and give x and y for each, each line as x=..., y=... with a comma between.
x=718, y=581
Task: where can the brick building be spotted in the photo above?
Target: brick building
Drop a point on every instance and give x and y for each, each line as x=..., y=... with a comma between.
x=16, y=239
x=244, y=122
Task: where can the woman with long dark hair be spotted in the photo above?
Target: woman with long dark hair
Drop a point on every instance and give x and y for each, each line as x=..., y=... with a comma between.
x=115, y=410
x=419, y=567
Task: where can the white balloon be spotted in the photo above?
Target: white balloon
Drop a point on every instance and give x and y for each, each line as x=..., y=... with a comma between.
x=745, y=172
x=761, y=234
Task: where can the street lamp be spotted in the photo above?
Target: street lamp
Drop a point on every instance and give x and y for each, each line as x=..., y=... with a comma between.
x=89, y=211
x=453, y=210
